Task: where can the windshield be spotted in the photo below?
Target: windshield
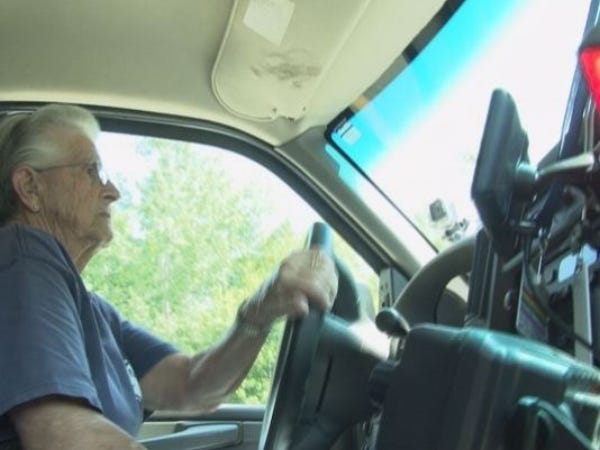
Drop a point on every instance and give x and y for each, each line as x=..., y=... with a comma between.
x=418, y=137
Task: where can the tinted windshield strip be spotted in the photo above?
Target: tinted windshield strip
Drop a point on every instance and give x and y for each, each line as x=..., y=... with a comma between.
x=412, y=50
x=431, y=29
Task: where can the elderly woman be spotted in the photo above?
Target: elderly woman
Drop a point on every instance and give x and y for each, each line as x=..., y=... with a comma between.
x=75, y=374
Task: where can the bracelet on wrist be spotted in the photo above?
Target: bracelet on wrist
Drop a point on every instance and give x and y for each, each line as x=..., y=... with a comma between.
x=249, y=328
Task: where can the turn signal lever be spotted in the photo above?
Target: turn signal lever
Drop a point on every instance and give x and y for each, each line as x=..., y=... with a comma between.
x=392, y=323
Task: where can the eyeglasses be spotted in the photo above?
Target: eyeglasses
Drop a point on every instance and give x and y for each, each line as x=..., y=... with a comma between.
x=93, y=169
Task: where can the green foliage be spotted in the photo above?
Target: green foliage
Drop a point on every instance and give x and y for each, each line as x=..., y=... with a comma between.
x=189, y=250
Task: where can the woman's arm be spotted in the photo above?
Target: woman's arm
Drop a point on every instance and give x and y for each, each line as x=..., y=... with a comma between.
x=205, y=380
x=62, y=423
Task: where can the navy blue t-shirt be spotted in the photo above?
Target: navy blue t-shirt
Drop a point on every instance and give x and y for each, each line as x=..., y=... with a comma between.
x=56, y=338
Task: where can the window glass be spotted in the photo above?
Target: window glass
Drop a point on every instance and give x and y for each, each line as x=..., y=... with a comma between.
x=197, y=229
x=418, y=136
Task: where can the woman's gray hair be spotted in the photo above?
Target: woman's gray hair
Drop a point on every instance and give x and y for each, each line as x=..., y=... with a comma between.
x=24, y=141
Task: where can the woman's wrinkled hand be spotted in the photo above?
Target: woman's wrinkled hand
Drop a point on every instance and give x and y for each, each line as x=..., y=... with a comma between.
x=306, y=278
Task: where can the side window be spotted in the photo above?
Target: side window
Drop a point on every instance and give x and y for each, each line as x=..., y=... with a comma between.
x=197, y=229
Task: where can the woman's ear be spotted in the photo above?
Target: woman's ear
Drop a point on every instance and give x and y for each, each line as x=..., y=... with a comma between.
x=26, y=185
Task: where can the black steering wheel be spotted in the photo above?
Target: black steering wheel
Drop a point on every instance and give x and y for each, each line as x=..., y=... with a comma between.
x=424, y=296
x=296, y=360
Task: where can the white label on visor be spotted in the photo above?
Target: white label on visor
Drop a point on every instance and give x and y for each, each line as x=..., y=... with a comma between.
x=269, y=18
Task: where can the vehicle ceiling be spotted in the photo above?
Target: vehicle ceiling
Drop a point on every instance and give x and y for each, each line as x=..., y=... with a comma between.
x=278, y=70
x=272, y=68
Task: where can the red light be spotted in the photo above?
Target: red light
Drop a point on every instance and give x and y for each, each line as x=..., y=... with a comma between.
x=590, y=62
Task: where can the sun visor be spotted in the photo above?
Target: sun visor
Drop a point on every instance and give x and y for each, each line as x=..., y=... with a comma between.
x=275, y=54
